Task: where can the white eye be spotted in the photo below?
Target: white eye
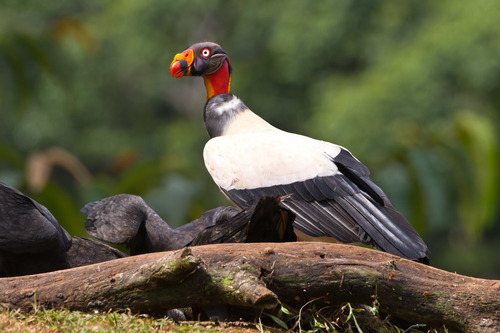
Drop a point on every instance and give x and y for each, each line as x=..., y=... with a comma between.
x=205, y=53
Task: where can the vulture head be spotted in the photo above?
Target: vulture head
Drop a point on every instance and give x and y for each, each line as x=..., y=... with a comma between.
x=208, y=60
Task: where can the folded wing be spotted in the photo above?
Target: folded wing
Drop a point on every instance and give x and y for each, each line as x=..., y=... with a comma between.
x=347, y=206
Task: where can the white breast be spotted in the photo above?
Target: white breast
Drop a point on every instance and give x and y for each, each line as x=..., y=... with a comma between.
x=267, y=157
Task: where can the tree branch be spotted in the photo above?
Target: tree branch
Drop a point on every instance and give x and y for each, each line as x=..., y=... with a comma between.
x=256, y=275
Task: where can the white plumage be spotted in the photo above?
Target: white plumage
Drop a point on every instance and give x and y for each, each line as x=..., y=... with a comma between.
x=266, y=158
x=251, y=153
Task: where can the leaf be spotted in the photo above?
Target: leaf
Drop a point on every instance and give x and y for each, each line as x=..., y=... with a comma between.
x=278, y=321
x=479, y=203
x=284, y=309
x=351, y=315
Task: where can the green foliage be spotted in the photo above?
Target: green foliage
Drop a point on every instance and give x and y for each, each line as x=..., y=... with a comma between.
x=479, y=197
x=411, y=88
x=328, y=318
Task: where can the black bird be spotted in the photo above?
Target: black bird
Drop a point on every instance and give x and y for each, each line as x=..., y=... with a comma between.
x=32, y=241
x=263, y=221
x=85, y=251
x=327, y=188
x=127, y=219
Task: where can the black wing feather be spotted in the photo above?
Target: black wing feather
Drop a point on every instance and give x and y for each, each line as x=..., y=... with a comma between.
x=347, y=206
x=301, y=190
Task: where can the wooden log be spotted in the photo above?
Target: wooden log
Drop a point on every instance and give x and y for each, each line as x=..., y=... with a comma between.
x=256, y=275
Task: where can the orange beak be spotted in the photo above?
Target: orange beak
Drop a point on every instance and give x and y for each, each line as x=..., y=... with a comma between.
x=181, y=65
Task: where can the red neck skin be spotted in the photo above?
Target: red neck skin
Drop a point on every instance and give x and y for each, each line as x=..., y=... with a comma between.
x=219, y=82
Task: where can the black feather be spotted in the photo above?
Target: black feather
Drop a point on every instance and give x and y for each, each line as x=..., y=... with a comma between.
x=359, y=174
x=299, y=189
x=215, y=121
x=349, y=208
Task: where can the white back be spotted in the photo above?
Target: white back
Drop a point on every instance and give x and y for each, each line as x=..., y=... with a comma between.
x=247, y=156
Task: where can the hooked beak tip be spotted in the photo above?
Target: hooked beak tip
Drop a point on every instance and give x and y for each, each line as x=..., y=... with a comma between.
x=181, y=65
x=179, y=68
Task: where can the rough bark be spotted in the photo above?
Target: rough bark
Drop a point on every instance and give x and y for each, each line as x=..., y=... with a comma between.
x=256, y=275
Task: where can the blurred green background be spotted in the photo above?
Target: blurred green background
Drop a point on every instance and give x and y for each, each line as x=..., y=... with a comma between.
x=88, y=108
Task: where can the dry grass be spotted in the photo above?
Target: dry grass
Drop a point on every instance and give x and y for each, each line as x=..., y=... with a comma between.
x=74, y=321
x=9, y=323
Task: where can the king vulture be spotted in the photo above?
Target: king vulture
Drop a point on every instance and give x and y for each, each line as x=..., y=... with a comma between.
x=327, y=188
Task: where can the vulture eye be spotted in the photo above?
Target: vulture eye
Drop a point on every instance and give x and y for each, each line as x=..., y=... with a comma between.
x=205, y=52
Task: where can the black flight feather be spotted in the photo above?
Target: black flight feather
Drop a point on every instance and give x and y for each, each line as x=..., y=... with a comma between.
x=350, y=208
